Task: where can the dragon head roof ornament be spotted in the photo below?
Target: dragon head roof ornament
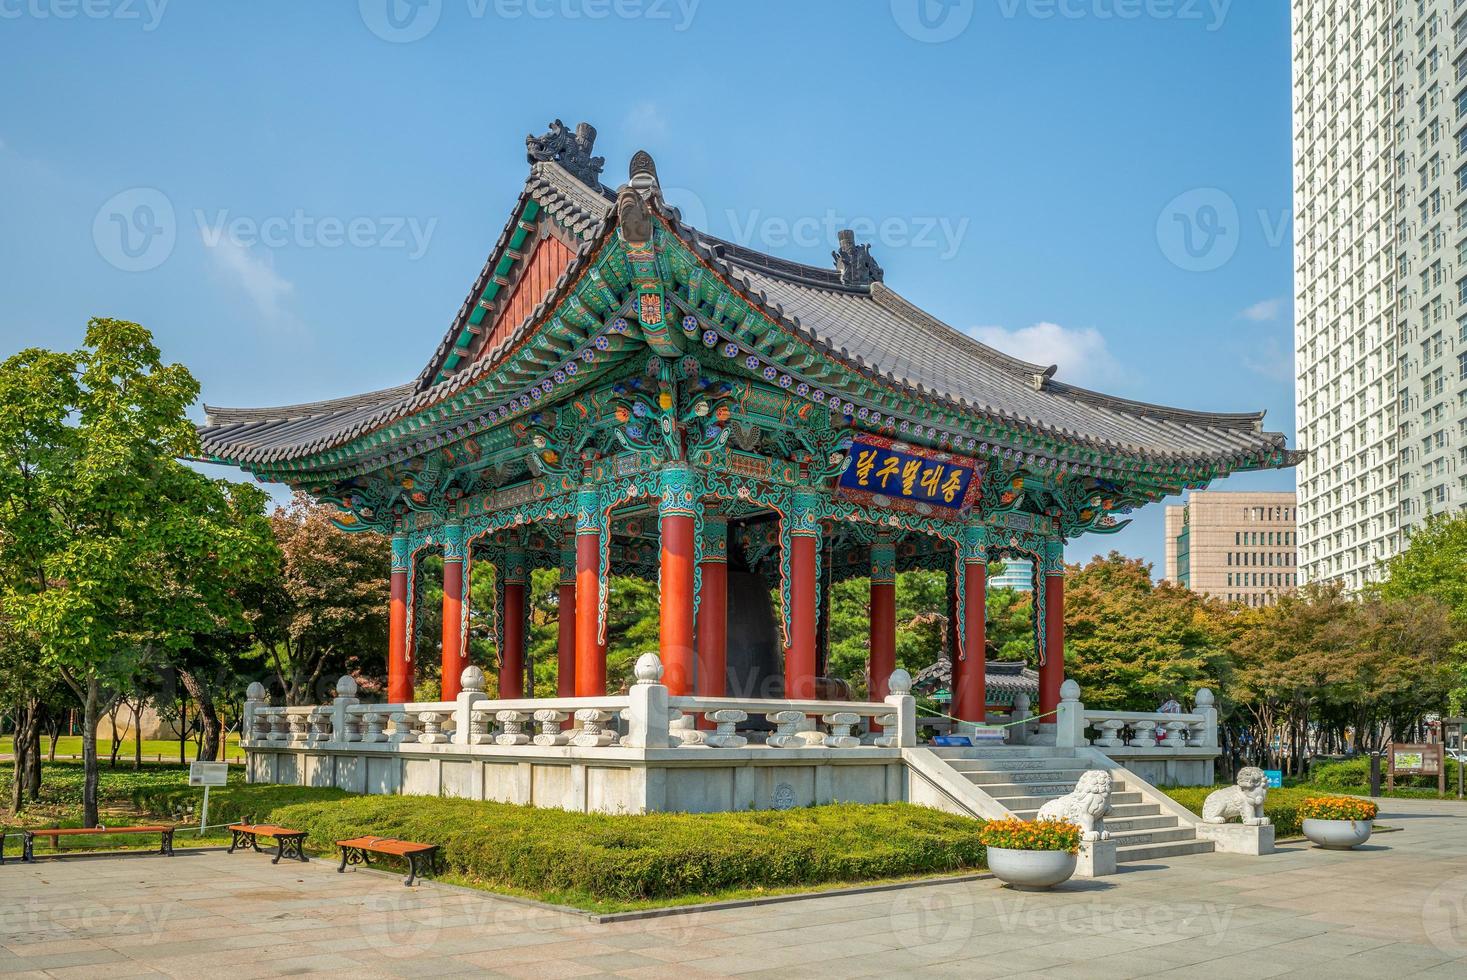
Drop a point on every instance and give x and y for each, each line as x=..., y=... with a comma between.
x=572, y=150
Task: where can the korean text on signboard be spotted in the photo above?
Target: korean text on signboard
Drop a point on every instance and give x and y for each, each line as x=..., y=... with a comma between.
x=896, y=474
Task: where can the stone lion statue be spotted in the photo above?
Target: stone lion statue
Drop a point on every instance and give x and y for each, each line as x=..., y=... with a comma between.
x=1244, y=801
x=1086, y=807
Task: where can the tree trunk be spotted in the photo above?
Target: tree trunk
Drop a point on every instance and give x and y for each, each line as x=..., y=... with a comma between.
x=116, y=739
x=33, y=754
x=210, y=725
x=89, y=751
x=137, y=735
x=25, y=724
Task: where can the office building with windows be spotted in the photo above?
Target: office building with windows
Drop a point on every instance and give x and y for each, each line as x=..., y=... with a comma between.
x=1232, y=545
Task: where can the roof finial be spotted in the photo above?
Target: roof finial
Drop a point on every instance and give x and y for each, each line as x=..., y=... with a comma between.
x=571, y=150
x=854, y=262
x=642, y=171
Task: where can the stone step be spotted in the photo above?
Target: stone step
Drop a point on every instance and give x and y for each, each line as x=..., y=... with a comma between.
x=1116, y=811
x=1033, y=802
x=1000, y=753
x=1047, y=789
x=982, y=777
x=1114, y=823
x=1152, y=852
x=1136, y=838
x=999, y=766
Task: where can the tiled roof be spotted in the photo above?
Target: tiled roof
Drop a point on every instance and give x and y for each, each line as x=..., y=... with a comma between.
x=1000, y=675
x=871, y=327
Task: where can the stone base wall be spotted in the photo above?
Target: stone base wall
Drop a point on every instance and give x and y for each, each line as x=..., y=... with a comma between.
x=607, y=780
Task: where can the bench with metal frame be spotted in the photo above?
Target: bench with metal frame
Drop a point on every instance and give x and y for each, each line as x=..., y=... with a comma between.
x=421, y=858
x=288, y=843
x=28, y=854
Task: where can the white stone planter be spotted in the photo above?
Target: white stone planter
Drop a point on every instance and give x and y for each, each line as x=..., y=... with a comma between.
x=1031, y=870
x=1337, y=835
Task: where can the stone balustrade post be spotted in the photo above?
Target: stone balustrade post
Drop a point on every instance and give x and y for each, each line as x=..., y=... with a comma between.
x=254, y=700
x=648, y=724
x=899, y=697
x=1207, y=707
x=1069, y=730
x=471, y=692
x=1018, y=730
x=343, y=729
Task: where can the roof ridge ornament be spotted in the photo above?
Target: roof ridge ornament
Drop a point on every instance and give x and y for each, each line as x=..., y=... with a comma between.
x=633, y=211
x=572, y=150
x=854, y=262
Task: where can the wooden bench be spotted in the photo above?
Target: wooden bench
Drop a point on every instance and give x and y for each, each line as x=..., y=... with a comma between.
x=56, y=833
x=287, y=842
x=421, y=858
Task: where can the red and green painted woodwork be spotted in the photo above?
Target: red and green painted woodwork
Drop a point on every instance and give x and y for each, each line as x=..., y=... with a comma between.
x=455, y=612
x=590, y=598
x=677, y=517
x=803, y=521
x=515, y=575
x=565, y=677
x=883, y=615
x=399, y=654
x=970, y=669
x=1052, y=656
x=712, y=674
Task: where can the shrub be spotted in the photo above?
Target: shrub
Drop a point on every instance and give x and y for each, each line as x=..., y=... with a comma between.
x=655, y=855
x=1337, y=808
x=1026, y=835
x=1354, y=774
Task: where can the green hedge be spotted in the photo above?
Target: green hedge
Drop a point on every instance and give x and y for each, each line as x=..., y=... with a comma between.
x=233, y=803
x=1281, y=807
x=657, y=855
x=1353, y=775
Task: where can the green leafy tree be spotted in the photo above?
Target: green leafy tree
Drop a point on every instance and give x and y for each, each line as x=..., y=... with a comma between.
x=136, y=552
x=1434, y=564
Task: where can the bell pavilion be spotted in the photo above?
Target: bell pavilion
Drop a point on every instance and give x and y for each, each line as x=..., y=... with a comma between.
x=620, y=393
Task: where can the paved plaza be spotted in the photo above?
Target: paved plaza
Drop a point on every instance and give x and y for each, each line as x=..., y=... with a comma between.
x=1396, y=908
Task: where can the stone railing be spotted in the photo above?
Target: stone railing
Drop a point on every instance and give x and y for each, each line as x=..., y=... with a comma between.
x=645, y=718
x=1163, y=732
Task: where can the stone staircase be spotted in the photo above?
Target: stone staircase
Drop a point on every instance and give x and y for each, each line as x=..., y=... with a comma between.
x=1023, y=778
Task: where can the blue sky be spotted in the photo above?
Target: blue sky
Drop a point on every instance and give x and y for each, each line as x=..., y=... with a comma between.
x=313, y=187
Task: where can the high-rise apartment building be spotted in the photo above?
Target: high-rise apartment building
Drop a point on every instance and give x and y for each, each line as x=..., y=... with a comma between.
x=1239, y=546
x=1380, y=275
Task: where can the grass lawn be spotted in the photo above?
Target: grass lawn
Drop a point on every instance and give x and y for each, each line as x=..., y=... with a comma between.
x=154, y=750
x=596, y=862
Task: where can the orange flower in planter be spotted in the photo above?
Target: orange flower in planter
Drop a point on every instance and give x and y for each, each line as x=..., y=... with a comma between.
x=1337, y=808
x=1031, y=835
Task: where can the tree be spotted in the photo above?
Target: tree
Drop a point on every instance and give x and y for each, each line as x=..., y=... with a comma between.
x=327, y=615
x=136, y=552
x=1132, y=644
x=1434, y=564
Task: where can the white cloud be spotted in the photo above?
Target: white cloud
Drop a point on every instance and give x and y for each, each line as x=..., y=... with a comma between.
x=255, y=274
x=1270, y=360
x=1260, y=312
x=1081, y=354
x=645, y=123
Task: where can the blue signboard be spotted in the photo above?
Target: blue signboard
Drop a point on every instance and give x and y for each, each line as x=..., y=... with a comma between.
x=1275, y=778
x=908, y=475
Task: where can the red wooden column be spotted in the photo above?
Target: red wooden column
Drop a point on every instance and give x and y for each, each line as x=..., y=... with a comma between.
x=399, y=660
x=590, y=649
x=565, y=674
x=1052, y=669
x=799, y=654
x=883, y=615
x=970, y=671
x=455, y=655
x=512, y=657
x=676, y=515
x=712, y=674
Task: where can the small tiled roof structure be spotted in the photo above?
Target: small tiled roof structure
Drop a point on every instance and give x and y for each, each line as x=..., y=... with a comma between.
x=1005, y=678
x=854, y=318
